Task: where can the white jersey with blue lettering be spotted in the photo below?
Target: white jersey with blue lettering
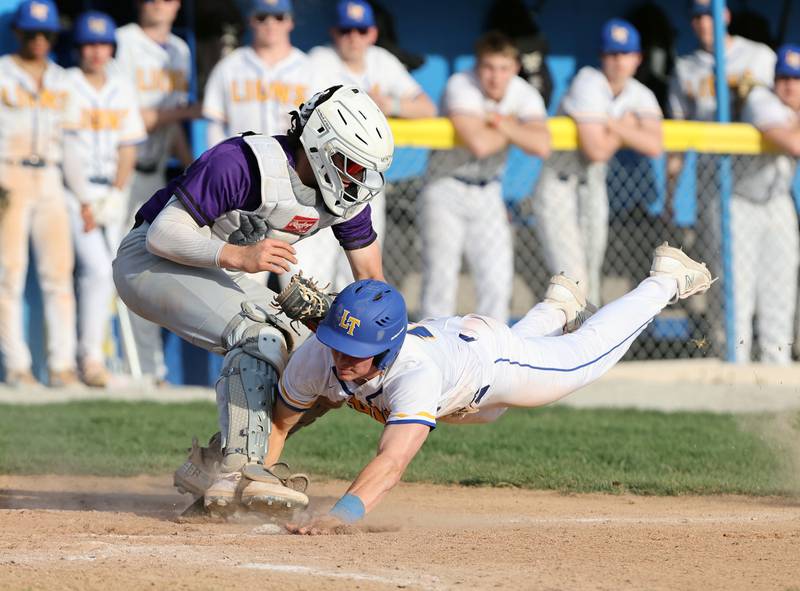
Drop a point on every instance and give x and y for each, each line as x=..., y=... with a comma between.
x=246, y=94
x=471, y=369
x=160, y=76
x=692, y=91
x=107, y=118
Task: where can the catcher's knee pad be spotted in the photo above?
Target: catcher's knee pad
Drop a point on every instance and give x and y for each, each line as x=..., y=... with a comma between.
x=246, y=392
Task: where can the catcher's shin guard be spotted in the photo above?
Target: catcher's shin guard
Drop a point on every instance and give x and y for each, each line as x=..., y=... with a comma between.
x=245, y=395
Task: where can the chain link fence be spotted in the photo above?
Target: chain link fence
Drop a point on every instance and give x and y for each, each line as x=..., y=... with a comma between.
x=645, y=207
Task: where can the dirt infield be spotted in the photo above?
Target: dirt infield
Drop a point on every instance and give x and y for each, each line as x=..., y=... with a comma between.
x=123, y=533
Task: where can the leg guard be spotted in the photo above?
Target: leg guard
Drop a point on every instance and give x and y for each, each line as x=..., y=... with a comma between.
x=245, y=394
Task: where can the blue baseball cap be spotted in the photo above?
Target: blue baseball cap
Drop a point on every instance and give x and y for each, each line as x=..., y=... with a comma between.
x=619, y=36
x=37, y=15
x=701, y=7
x=271, y=7
x=95, y=27
x=788, y=64
x=354, y=14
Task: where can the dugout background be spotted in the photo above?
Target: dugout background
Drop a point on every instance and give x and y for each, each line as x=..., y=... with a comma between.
x=570, y=27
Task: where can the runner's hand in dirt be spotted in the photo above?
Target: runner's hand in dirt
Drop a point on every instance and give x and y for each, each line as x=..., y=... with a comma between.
x=319, y=525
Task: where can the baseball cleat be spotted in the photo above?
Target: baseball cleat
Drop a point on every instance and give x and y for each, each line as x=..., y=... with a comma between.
x=272, y=498
x=692, y=277
x=201, y=468
x=225, y=493
x=566, y=295
x=265, y=492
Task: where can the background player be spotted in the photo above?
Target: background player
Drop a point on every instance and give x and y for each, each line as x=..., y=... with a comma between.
x=462, y=208
x=463, y=370
x=355, y=59
x=256, y=87
x=97, y=168
x=764, y=232
x=611, y=110
x=34, y=108
x=692, y=93
x=157, y=64
x=237, y=209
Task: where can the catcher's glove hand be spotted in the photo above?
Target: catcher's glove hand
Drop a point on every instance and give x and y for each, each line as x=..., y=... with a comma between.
x=303, y=301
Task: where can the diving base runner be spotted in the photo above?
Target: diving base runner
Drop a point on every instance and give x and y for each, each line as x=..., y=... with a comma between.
x=469, y=369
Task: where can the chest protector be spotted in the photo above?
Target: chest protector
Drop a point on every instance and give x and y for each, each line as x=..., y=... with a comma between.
x=288, y=211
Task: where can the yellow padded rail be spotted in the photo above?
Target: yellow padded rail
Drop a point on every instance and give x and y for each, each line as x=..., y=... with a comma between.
x=679, y=136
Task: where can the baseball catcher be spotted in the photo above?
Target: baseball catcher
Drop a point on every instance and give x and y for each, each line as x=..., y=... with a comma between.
x=237, y=210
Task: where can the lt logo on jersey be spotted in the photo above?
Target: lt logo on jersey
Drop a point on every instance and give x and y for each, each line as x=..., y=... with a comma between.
x=348, y=322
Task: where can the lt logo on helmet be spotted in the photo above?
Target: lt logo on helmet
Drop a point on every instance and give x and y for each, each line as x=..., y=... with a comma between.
x=348, y=322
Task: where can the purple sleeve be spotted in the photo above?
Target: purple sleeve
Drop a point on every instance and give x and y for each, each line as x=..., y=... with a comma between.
x=219, y=181
x=357, y=232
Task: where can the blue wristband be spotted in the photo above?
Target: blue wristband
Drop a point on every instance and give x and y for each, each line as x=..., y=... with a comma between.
x=349, y=509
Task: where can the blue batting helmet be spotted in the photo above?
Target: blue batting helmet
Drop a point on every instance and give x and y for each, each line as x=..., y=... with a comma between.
x=95, y=27
x=367, y=319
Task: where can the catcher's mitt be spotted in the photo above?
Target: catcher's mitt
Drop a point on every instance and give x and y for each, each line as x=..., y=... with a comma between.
x=303, y=301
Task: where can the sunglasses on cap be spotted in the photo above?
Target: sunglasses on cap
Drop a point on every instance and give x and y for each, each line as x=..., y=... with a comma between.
x=280, y=17
x=348, y=30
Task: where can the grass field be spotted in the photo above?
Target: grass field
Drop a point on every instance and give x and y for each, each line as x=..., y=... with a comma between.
x=551, y=448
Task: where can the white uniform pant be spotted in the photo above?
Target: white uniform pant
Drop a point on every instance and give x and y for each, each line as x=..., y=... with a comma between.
x=572, y=216
x=457, y=218
x=766, y=254
x=36, y=212
x=94, y=284
x=322, y=258
x=534, y=364
x=146, y=334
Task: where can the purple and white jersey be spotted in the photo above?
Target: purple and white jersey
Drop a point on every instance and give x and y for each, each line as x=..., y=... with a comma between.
x=251, y=174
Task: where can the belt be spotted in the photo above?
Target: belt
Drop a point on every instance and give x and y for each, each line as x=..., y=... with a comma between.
x=147, y=168
x=475, y=182
x=99, y=180
x=32, y=161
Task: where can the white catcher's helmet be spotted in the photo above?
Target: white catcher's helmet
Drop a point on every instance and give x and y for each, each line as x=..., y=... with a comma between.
x=345, y=135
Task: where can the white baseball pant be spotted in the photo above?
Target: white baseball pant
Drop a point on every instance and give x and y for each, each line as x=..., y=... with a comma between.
x=458, y=218
x=200, y=305
x=94, y=282
x=534, y=364
x=146, y=334
x=766, y=254
x=36, y=213
x=572, y=216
